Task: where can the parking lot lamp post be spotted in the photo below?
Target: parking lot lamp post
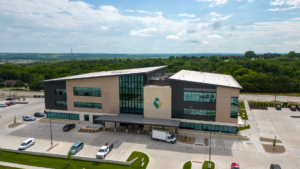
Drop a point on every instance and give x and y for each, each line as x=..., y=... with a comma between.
x=276, y=89
x=209, y=165
x=50, y=128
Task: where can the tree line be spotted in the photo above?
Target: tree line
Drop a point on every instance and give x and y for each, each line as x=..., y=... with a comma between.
x=265, y=73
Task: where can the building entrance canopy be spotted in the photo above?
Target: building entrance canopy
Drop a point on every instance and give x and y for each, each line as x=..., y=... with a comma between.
x=139, y=119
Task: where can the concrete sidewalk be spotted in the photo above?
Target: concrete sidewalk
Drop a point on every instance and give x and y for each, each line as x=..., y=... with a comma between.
x=6, y=164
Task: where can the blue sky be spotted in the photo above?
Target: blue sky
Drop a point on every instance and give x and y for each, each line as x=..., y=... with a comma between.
x=149, y=26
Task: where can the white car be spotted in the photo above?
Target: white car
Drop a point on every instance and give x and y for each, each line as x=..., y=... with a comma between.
x=3, y=105
x=26, y=144
x=28, y=118
x=104, y=150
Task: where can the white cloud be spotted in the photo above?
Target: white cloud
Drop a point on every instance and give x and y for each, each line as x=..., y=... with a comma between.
x=141, y=11
x=278, y=2
x=216, y=16
x=185, y=14
x=104, y=27
x=215, y=2
x=84, y=46
x=155, y=48
x=274, y=45
x=214, y=36
x=205, y=42
x=172, y=37
x=144, y=32
x=129, y=10
x=295, y=19
x=191, y=20
x=278, y=9
x=109, y=9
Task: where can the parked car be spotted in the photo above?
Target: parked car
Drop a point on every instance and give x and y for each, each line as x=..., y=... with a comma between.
x=293, y=108
x=13, y=102
x=298, y=108
x=3, y=105
x=10, y=98
x=278, y=107
x=39, y=114
x=68, y=127
x=76, y=147
x=29, y=118
x=9, y=104
x=159, y=134
x=104, y=150
x=26, y=144
x=235, y=166
x=275, y=166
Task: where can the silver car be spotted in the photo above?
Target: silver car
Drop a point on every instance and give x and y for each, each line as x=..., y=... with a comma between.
x=3, y=105
x=28, y=118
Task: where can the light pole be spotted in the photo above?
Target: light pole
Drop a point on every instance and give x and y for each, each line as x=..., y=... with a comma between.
x=50, y=128
x=276, y=89
x=209, y=165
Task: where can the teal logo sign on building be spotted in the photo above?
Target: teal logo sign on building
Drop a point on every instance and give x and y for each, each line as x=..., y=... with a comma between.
x=157, y=103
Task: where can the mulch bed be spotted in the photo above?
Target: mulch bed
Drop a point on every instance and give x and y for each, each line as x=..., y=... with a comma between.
x=295, y=116
x=258, y=107
x=89, y=131
x=271, y=149
x=187, y=140
x=206, y=141
x=22, y=102
x=269, y=140
x=13, y=125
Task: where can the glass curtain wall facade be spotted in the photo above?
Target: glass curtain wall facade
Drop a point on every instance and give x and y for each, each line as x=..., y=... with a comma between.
x=87, y=91
x=132, y=93
x=208, y=127
x=88, y=105
x=69, y=116
x=200, y=97
x=60, y=92
x=199, y=112
x=234, y=107
x=61, y=103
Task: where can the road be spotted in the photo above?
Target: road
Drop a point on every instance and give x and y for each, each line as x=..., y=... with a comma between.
x=269, y=98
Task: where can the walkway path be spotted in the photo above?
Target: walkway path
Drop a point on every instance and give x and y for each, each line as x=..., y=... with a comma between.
x=19, y=165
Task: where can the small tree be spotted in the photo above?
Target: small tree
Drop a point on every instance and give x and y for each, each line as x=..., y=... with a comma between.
x=274, y=143
x=70, y=155
x=18, y=84
x=19, y=99
x=15, y=119
x=24, y=99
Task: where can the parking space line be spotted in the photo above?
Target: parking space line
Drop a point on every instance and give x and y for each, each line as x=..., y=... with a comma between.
x=245, y=146
x=62, y=150
x=119, y=154
x=90, y=151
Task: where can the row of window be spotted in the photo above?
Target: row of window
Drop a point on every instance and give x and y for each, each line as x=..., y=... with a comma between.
x=208, y=127
x=81, y=91
x=200, y=97
x=69, y=116
x=234, y=107
x=88, y=105
x=199, y=112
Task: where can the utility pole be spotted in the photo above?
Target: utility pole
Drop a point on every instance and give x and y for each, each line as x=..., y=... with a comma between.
x=276, y=89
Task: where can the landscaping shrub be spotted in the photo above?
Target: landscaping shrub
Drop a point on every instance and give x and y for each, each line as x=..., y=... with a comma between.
x=205, y=165
x=34, y=96
x=187, y=165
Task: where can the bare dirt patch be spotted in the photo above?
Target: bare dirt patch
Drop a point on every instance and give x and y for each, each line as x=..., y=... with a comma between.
x=258, y=107
x=271, y=149
x=186, y=139
x=13, y=125
x=269, y=140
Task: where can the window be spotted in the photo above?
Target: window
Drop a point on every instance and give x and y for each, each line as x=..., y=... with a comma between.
x=199, y=112
x=208, y=127
x=88, y=105
x=61, y=103
x=131, y=93
x=94, y=119
x=199, y=97
x=60, y=92
x=69, y=116
x=234, y=107
x=86, y=91
x=86, y=117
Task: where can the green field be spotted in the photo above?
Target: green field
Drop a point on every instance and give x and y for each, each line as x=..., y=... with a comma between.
x=51, y=162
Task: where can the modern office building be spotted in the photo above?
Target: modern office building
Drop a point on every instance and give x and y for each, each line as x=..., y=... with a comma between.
x=147, y=97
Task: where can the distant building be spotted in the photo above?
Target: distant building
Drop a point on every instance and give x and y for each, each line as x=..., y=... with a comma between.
x=10, y=83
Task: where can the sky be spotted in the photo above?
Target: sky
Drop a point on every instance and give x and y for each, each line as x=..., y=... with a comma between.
x=149, y=26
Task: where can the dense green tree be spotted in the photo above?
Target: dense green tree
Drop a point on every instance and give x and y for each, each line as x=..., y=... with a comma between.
x=250, y=54
x=291, y=54
x=18, y=84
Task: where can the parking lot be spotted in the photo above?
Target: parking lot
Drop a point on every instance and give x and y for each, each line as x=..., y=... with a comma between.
x=162, y=155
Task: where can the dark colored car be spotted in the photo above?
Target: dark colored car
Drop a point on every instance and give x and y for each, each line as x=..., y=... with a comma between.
x=13, y=102
x=293, y=108
x=298, y=108
x=10, y=98
x=68, y=127
x=39, y=114
x=278, y=107
x=8, y=103
x=275, y=166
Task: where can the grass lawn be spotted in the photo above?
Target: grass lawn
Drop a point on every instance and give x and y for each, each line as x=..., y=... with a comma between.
x=244, y=128
x=242, y=105
x=243, y=112
x=51, y=162
x=273, y=94
x=5, y=167
x=187, y=165
x=205, y=165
